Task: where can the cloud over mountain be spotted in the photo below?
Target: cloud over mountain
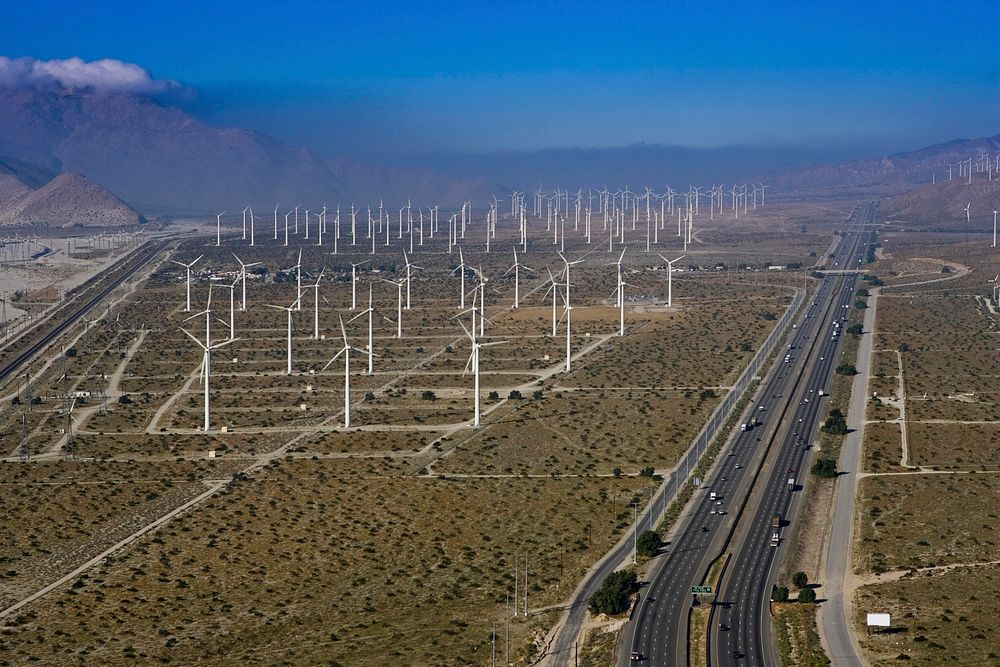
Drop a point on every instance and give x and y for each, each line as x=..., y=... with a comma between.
x=77, y=74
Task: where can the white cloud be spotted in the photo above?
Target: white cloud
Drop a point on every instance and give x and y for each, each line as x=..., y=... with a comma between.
x=75, y=73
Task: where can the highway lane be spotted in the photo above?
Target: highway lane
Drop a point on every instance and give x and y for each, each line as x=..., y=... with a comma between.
x=745, y=590
x=561, y=650
x=658, y=630
x=138, y=260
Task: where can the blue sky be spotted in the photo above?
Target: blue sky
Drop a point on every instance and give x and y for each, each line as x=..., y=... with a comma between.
x=384, y=78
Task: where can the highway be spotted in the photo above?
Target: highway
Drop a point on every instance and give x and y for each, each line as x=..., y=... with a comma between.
x=659, y=629
x=740, y=632
x=135, y=262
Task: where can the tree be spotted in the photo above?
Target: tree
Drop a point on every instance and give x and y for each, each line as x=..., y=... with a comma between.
x=824, y=468
x=648, y=544
x=613, y=595
x=779, y=594
x=428, y=395
x=538, y=394
x=124, y=399
x=647, y=471
x=835, y=424
x=71, y=352
x=706, y=394
x=800, y=579
x=903, y=347
x=856, y=329
x=617, y=472
x=514, y=395
x=860, y=304
x=863, y=292
x=494, y=396
x=807, y=595
x=369, y=396
x=847, y=369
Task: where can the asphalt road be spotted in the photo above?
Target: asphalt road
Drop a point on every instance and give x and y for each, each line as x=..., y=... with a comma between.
x=138, y=260
x=740, y=632
x=659, y=629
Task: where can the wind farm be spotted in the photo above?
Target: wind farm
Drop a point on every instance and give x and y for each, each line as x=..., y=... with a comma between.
x=411, y=345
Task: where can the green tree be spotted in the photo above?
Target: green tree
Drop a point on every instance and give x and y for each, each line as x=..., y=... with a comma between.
x=538, y=394
x=71, y=352
x=514, y=395
x=428, y=395
x=860, y=304
x=648, y=544
x=807, y=595
x=855, y=329
x=779, y=594
x=847, y=369
x=494, y=396
x=800, y=579
x=617, y=472
x=647, y=471
x=706, y=394
x=835, y=424
x=824, y=468
x=613, y=595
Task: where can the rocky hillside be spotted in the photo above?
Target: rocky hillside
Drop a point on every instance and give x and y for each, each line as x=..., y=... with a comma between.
x=68, y=199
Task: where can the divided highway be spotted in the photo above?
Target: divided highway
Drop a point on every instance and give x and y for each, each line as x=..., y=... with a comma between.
x=658, y=631
x=137, y=260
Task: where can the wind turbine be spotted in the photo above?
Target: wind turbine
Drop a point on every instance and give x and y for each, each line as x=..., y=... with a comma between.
x=554, y=289
x=354, y=283
x=346, y=351
x=298, y=280
x=670, y=278
x=243, y=277
x=206, y=369
x=370, y=312
x=288, y=309
x=461, y=270
x=315, y=288
x=187, y=307
x=399, y=304
x=516, y=267
x=620, y=293
x=218, y=229
x=409, y=275
x=473, y=363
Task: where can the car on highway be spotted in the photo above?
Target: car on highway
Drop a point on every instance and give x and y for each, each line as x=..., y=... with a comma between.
x=635, y=656
x=739, y=465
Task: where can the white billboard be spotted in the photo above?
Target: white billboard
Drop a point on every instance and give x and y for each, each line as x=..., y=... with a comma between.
x=878, y=620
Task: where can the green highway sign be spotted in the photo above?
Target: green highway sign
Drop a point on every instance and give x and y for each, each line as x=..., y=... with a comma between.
x=701, y=589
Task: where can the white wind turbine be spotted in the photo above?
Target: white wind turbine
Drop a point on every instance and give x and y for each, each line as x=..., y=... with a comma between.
x=516, y=267
x=187, y=307
x=620, y=293
x=370, y=312
x=288, y=310
x=399, y=304
x=461, y=271
x=409, y=277
x=346, y=351
x=298, y=280
x=206, y=369
x=315, y=288
x=218, y=229
x=473, y=363
x=670, y=278
x=554, y=290
x=354, y=283
x=243, y=277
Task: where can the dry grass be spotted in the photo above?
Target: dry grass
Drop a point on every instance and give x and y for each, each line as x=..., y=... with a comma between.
x=938, y=618
x=912, y=521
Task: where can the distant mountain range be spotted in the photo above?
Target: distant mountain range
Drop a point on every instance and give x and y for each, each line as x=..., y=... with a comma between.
x=161, y=160
x=942, y=205
x=886, y=175
x=158, y=159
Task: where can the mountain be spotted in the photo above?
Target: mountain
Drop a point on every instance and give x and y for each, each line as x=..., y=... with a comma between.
x=162, y=160
x=886, y=175
x=68, y=199
x=942, y=205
